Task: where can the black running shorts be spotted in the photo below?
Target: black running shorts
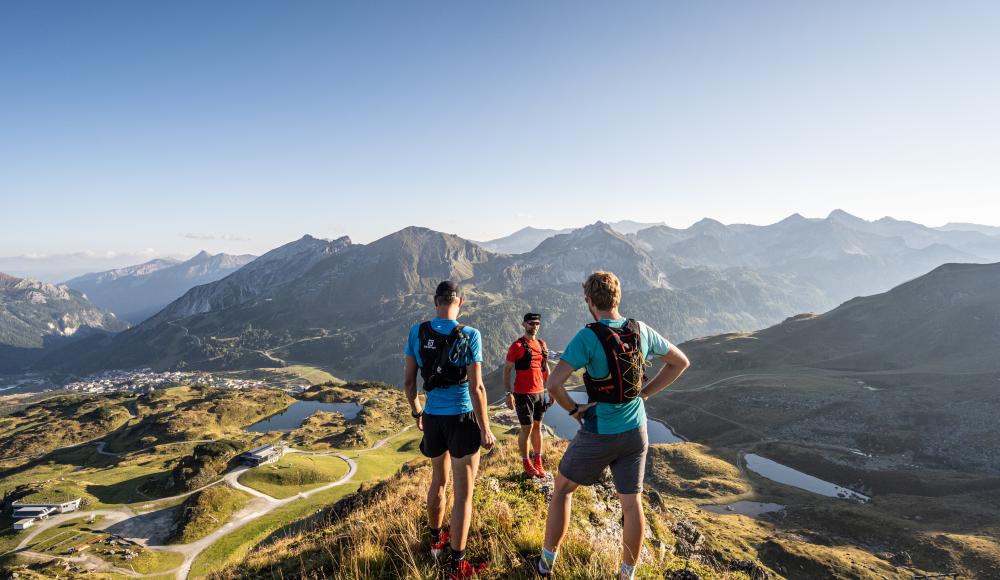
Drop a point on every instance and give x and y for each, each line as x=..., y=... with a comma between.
x=456, y=434
x=529, y=407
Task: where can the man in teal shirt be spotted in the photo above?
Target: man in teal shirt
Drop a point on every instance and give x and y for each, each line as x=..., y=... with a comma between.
x=612, y=434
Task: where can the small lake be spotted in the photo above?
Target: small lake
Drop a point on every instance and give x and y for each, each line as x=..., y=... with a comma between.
x=783, y=474
x=746, y=508
x=566, y=426
x=292, y=417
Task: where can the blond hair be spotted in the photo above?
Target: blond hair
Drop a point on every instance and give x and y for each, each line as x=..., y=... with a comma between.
x=604, y=290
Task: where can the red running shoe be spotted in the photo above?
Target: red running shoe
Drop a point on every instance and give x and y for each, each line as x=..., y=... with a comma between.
x=529, y=468
x=466, y=570
x=438, y=547
x=538, y=466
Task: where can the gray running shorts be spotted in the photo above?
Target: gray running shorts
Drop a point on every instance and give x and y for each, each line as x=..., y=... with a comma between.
x=589, y=453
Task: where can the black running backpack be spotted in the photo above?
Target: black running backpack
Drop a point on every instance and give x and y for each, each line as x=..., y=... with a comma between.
x=438, y=369
x=626, y=364
x=524, y=363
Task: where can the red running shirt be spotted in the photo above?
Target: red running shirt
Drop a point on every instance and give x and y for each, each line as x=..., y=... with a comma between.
x=532, y=380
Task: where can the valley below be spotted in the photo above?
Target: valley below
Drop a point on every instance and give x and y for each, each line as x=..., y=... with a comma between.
x=171, y=499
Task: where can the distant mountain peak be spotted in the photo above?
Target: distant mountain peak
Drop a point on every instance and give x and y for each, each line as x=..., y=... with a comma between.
x=708, y=226
x=632, y=227
x=309, y=239
x=202, y=255
x=521, y=241
x=409, y=230
x=8, y=279
x=417, y=235
x=843, y=215
x=597, y=230
x=795, y=218
x=707, y=222
x=599, y=226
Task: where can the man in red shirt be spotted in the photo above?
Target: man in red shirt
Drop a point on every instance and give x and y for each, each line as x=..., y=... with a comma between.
x=528, y=356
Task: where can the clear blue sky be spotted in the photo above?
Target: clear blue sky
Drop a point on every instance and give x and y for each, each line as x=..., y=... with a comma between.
x=131, y=125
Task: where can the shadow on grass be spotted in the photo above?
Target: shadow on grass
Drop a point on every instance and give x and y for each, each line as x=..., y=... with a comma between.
x=76, y=457
x=411, y=445
x=126, y=491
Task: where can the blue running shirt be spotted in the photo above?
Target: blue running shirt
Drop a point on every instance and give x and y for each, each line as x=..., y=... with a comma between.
x=454, y=399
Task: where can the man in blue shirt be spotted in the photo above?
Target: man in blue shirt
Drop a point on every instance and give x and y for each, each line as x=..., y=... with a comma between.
x=612, y=434
x=454, y=422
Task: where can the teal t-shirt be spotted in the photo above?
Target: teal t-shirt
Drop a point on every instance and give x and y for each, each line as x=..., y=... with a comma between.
x=584, y=350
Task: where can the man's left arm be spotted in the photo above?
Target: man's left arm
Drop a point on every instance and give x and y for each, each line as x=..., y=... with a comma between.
x=545, y=363
x=675, y=362
x=410, y=388
x=556, y=389
x=478, y=392
x=477, y=389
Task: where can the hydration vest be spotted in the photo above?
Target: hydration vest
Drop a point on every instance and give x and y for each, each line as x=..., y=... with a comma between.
x=438, y=370
x=626, y=363
x=524, y=363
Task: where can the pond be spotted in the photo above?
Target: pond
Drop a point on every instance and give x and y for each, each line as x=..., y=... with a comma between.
x=783, y=474
x=746, y=508
x=566, y=426
x=292, y=417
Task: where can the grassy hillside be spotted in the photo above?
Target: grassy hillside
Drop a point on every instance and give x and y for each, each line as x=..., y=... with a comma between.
x=690, y=471
x=908, y=377
x=205, y=463
x=380, y=533
x=153, y=448
x=206, y=511
x=192, y=413
x=918, y=521
x=101, y=480
x=171, y=457
x=294, y=473
x=60, y=421
x=944, y=321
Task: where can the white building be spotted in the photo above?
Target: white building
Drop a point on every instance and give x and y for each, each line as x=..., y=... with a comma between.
x=38, y=513
x=264, y=454
x=58, y=507
x=27, y=513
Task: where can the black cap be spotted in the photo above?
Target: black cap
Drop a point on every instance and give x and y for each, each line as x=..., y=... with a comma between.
x=446, y=288
x=532, y=316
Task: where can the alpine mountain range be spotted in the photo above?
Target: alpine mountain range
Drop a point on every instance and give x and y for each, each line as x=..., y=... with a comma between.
x=345, y=306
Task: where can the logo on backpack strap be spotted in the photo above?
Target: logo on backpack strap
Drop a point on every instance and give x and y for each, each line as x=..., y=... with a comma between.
x=443, y=357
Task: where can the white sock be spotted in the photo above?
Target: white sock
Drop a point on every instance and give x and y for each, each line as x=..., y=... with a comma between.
x=627, y=572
